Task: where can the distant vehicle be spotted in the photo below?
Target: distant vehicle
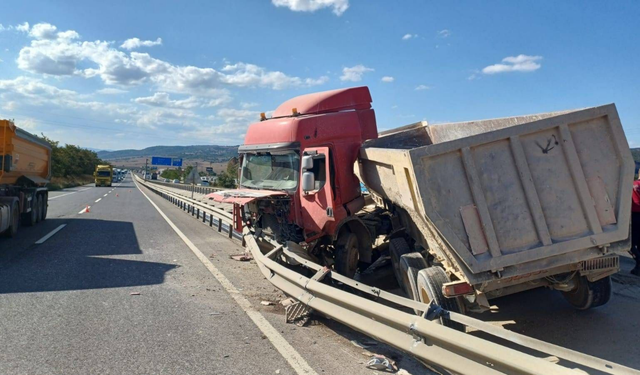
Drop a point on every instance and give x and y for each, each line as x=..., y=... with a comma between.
x=176, y=181
x=204, y=183
x=165, y=180
x=154, y=176
x=103, y=175
x=23, y=180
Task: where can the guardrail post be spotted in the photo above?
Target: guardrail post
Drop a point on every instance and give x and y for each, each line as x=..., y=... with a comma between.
x=204, y=216
x=219, y=225
x=210, y=220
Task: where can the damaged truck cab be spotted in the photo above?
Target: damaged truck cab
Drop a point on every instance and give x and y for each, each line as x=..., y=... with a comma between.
x=297, y=179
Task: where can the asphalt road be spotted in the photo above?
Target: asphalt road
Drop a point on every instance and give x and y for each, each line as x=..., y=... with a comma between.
x=117, y=291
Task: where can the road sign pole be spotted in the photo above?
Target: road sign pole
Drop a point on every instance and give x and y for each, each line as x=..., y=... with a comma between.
x=193, y=183
x=146, y=172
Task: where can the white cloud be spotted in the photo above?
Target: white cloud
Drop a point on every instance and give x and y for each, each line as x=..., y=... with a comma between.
x=520, y=63
x=387, y=79
x=44, y=31
x=354, y=73
x=338, y=6
x=65, y=56
x=162, y=99
x=422, y=87
x=134, y=43
x=444, y=33
x=409, y=36
x=24, y=27
x=111, y=91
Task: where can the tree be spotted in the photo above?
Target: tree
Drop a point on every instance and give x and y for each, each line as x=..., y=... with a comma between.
x=71, y=160
x=227, y=178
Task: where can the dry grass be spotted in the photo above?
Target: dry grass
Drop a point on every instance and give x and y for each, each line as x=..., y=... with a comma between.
x=58, y=183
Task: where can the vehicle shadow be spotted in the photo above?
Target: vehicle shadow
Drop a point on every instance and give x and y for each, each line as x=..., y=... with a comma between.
x=79, y=257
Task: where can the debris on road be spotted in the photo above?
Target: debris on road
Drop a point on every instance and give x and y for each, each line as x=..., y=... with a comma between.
x=245, y=257
x=363, y=344
x=267, y=303
x=134, y=293
x=215, y=313
x=287, y=302
x=382, y=363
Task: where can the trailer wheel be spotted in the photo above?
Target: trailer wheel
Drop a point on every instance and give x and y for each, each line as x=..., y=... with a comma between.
x=397, y=248
x=430, y=282
x=587, y=294
x=29, y=219
x=45, y=206
x=410, y=265
x=38, y=208
x=15, y=222
x=347, y=254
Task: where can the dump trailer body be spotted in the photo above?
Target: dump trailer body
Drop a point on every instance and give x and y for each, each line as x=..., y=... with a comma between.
x=500, y=199
x=104, y=175
x=23, y=155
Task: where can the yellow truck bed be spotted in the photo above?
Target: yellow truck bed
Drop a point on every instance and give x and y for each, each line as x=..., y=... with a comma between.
x=23, y=155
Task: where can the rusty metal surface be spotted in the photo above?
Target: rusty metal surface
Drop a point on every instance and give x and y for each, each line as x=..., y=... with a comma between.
x=543, y=187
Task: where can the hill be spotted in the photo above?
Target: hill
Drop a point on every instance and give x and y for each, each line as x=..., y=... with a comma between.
x=209, y=153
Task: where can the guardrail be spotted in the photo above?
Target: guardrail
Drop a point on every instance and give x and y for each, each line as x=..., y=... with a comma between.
x=187, y=187
x=434, y=344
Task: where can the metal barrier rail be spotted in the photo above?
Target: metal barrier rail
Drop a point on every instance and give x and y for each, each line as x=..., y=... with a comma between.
x=428, y=341
x=187, y=187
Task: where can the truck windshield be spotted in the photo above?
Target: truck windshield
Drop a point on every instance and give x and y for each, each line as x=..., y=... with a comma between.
x=104, y=173
x=270, y=171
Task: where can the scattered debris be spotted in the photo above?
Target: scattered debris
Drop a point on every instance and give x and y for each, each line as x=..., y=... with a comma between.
x=242, y=257
x=215, y=313
x=212, y=256
x=363, y=344
x=278, y=371
x=267, y=303
x=298, y=313
x=134, y=293
x=226, y=356
x=287, y=302
x=382, y=363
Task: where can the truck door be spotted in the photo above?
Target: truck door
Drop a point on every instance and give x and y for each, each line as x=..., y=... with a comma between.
x=317, y=200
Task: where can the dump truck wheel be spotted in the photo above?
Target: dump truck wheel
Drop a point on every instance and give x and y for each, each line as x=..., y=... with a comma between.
x=45, y=206
x=410, y=265
x=587, y=294
x=397, y=248
x=38, y=208
x=347, y=254
x=430, y=282
x=29, y=218
x=15, y=222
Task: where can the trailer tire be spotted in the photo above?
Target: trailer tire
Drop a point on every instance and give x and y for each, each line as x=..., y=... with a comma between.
x=29, y=219
x=38, y=208
x=410, y=265
x=430, y=282
x=347, y=254
x=45, y=206
x=587, y=294
x=397, y=248
x=15, y=222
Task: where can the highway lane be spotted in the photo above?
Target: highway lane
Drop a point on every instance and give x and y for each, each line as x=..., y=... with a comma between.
x=116, y=291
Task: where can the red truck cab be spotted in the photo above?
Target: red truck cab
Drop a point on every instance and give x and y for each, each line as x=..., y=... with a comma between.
x=297, y=179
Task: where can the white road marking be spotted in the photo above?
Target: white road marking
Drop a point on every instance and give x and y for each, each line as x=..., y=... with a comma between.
x=85, y=189
x=99, y=199
x=294, y=358
x=41, y=241
x=60, y=196
x=85, y=210
x=106, y=194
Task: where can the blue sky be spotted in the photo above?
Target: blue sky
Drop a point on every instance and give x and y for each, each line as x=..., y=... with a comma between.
x=132, y=74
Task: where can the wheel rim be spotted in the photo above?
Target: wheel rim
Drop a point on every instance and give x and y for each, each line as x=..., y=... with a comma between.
x=424, y=296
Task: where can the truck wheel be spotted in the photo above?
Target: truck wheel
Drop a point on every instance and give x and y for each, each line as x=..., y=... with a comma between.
x=347, y=254
x=587, y=294
x=410, y=265
x=430, y=282
x=15, y=222
x=45, y=206
x=397, y=248
x=29, y=219
x=38, y=208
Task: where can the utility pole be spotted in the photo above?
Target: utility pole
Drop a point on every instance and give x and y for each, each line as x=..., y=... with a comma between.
x=193, y=182
x=146, y=172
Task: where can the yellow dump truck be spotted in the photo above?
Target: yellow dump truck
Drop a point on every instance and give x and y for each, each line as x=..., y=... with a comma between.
x=103, y=175
x=24, y=173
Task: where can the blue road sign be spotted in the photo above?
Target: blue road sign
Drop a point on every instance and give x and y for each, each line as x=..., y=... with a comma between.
x=160, y=161
x=176, y=162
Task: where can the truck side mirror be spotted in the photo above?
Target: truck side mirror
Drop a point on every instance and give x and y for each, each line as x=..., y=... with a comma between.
x=308, y=181
x=307, y=162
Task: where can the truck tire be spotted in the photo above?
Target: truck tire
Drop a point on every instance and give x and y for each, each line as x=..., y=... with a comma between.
x=347, y=254
x=397, y=248
x=45, y=205
x=38, y=208
x=587, y=294
x=430, y=282
x=410, y=265
x=15, y=222
x=29, y=219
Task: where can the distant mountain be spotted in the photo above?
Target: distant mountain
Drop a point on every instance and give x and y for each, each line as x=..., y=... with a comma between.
x=203, y=152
